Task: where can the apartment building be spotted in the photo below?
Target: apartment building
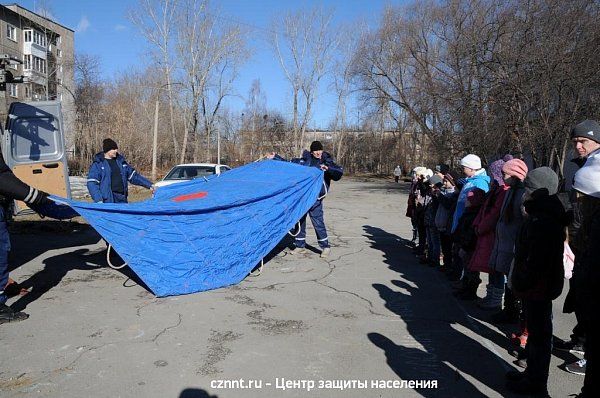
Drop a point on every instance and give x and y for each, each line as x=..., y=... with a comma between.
x=46, y=49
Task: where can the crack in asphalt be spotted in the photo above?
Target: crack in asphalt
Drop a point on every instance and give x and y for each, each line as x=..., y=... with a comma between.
x=168, y=328
x=370, y=308
x=47, y=374
x=141, y=307
x=320, y=282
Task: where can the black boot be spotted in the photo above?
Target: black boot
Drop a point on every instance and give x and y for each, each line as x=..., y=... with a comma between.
x=7, y=314
x=526, y=386
x=469, y=291
x=510, y=313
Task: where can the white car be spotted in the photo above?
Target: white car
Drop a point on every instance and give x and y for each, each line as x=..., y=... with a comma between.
x=186, y=172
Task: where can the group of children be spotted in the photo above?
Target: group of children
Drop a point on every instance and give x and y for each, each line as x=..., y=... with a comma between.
x=511, y=223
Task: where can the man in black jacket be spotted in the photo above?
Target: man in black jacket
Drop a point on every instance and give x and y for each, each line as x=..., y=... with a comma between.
x=316, y=157
x=587, y=185
x=586, y=140
x=12, y=188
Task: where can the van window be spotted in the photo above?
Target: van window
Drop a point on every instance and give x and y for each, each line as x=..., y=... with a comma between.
x=35, y=139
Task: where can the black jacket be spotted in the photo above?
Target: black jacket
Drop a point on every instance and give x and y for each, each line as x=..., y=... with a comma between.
x=575, y=211
x=13, y=188
x=334, y=171
x=464, y=234
x=538, y=272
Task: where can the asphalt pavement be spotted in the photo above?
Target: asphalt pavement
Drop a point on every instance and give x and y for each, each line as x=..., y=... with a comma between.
x=367, y=322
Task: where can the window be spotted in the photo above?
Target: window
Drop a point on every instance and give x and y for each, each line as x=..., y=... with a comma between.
x=58, y=52
x=46, y=132
x=39, y=64
x=27, y=34
x=11, y=32
x=39, y=38
x=32, y=62
x=58, y=40
x=27, y=91
x=13, y=90
x=27, y=62
x=189, y=172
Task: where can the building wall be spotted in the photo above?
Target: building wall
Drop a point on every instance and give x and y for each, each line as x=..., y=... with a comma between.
x=60, y=60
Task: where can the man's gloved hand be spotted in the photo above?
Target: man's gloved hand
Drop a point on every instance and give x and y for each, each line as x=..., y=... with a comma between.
x=41, y=199
x=36, y=198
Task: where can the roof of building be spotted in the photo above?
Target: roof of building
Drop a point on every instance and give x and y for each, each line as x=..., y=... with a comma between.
x=9, y=7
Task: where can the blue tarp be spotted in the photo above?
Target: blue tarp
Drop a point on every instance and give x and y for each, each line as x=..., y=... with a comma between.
x=206, y=233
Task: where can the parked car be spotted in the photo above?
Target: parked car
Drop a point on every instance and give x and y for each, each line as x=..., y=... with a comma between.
x=186, y=172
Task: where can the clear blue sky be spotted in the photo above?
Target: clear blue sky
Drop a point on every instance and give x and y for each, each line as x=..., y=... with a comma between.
x=102, y=29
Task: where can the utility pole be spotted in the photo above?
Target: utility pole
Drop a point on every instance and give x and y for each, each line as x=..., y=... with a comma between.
x=155, y=141
x=218, y=145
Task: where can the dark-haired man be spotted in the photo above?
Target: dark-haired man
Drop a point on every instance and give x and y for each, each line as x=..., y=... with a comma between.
x=585, y=138
x=316, y=157
x=110, y=174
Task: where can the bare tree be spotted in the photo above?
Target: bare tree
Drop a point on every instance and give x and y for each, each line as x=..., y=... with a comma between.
x=156, y=21
x=256, y=108
x=89, y=95
x=210, y=53
x=342, y=76
x=304, y=43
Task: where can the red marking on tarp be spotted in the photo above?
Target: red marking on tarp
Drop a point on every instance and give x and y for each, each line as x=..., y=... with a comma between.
x=190, y=196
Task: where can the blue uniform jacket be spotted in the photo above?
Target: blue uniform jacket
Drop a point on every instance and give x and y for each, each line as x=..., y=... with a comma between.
x=99, y=178
x=334, y=172
x=480, y=180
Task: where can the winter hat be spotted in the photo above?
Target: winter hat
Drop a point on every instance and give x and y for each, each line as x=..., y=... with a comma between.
x=442, y=168
x=316, y=146
x=109, y=145
x=515, y=168
x=475, y=197
x=587, y=129
x=471, y=161
x=452, y=176
x=541, y=180
x=495, y=171
x=419, y=170
x=428, y=173
x=435, y=180
x=587, y=178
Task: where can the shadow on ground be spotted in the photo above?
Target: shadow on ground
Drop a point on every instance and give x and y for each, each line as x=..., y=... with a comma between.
x=31, y=239
x=437, y=348
x=195, y=393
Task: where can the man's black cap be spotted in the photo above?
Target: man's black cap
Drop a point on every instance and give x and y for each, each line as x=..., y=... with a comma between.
x=316, y=146
x=109, y=145
x=589, y=129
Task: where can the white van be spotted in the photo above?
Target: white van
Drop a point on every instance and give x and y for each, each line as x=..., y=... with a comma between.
x=33, y=146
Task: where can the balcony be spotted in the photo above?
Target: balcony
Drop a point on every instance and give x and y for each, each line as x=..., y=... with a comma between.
x=35, y=49
x=34, y=76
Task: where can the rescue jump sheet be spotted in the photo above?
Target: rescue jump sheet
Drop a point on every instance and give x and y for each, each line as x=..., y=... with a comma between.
x=206, y=233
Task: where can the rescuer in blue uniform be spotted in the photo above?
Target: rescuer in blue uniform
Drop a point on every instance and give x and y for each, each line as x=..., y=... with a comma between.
x=110, y=174
x=316, y=157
